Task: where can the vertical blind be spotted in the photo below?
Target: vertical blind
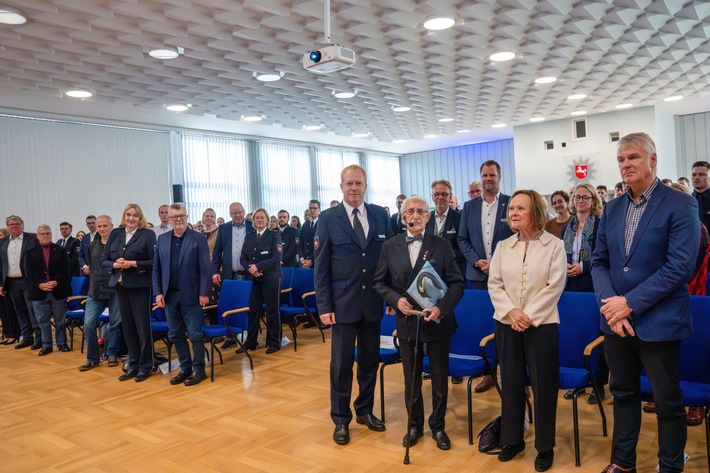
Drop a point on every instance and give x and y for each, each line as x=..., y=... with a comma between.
x=285, y=177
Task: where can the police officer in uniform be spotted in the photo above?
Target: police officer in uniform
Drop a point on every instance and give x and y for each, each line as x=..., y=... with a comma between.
x=261, y=257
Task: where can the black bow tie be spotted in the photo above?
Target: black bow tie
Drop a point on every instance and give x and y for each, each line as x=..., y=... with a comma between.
x=414, y=238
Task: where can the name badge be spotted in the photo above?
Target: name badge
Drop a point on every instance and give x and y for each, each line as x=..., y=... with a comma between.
x=264, y=252
x=451, y=232
x=380, y=236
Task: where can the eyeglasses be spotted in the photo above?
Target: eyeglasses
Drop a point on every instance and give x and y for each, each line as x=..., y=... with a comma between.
x=419, y=212
x=440, y=194
x=584, y=198
x=178, y=217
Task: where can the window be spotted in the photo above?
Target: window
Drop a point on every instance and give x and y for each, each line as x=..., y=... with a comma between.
x=383, y=184
x=285, y=177
x=329, y=163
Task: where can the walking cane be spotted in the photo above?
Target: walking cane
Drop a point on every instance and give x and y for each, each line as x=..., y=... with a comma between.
x=419, y=314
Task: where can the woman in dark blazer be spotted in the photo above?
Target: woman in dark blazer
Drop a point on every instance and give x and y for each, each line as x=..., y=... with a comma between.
x=129, y=256
x=261, y=257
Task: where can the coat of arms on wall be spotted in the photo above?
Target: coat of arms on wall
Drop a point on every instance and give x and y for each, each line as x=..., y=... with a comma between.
x=582, y=169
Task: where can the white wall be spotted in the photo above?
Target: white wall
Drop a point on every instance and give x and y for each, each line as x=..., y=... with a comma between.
x=55, y=171
x=547, y=171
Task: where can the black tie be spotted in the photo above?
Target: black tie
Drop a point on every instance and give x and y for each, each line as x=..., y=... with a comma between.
x=62, y=243
x=359, y=231
x=410, y=239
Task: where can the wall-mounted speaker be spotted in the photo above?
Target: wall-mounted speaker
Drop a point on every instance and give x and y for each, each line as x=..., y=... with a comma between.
x=177, y=193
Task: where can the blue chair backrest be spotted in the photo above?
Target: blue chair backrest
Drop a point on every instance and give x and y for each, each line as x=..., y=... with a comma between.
x=234, y=295
x=303, y=282
x=286, y=282
x=579, y=326
x=695, y=350
x=79, y=287
x=388, y=324
x=474, y=316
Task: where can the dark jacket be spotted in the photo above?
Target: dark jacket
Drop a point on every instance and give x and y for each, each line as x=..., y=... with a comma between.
x=140, y=249
x=265, y=254
x=38, y=272
x=99, y=278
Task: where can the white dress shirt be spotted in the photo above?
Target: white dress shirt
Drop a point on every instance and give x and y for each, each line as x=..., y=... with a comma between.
x=362, y=216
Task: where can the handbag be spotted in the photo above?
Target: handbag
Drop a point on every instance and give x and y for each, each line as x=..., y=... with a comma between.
x=490, y=438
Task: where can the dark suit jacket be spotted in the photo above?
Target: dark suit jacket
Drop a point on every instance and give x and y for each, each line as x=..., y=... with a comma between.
x=72, y=246
x=661, y=260
x=58, y=270
x=395, y=274
x=344, y=270
x=222, y=253
x=140, y=249
x=289, y=238
x=195, y=278
x=265, y=254
x=305, y=241
x=450, y=233
x=397, y=226
x=471, y=239
x=84, y=255
x=29, y=240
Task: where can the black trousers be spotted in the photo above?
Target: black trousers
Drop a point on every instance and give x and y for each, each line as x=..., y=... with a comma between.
x=266, y=293
x=17, y=290
x=8, y=317
x=537, y=349
x=342, y=357
x=135, y=322
x=626, y=357
x=438, y=352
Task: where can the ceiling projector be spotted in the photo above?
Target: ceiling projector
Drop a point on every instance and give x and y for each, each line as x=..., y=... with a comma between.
x=329, y=58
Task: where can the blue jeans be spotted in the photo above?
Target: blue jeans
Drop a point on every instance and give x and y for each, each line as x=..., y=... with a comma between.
x=92, y=310
x=43, y=312
x=183, y=318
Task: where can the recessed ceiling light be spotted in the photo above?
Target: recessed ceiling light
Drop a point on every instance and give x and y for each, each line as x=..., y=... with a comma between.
x=673, y=98
x=463, y=131
x=545, y=80
x=177, y=107
x=445, y=120
x=252, y=118
x=577, y=96
x=437, y=24
x=399, y=141
x=312, y=127
x=577, y=113
x=78, y=94
x=624, y=105
x=163, y=53
x=361, y=135
x=400, y=108
x=537, y=119
x=268, y=76
x=499, y=125
x=502, y=56
x=430, y=136
x=12, y=16
x=344, y=95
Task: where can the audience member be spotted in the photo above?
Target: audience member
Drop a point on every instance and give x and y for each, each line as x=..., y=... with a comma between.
x=85, y=242
x=101, y=297
x=684, y=181
x=129, y=256
x=346, y=301
x=401, y=260
x=181, y=278
x=273, y=223
x=667, y=181
x=220, y=221
x=527, y=277
x=49, y=286
x=296, y=222
x=289, y=238
x=307, y=236
x=474, y=190
x=647, y=245
x=454, y=203
x=71, y=245
x=209, y=229
x=334, y=203
x=395, y=220
x=445, y=222
x=601, y=190
x=164, y=226
x=701, y=184
x=80, y=234
x=228, y=247
x=560, y=203
x=619, y=189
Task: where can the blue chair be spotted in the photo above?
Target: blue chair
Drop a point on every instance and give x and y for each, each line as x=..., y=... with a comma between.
x=388, y=356
x=301, y=304
x=75, y=308
x=694, y=364
x=474, y=316
x=232, y=310
x=579, y=336
x=159, y=330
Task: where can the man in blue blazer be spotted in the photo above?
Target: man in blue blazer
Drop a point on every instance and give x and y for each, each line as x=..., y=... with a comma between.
x=483, y=224
x=347, y=245
x=445, y=221
x=182, y=284
x=646, y=248
x=228, y=247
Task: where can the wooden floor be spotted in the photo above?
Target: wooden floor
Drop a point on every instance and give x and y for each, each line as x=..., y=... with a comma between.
x=274, y=419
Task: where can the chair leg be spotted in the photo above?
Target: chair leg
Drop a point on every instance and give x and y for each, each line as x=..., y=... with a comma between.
x=470, y=411
x=575, y=426
x=212, y=361
x=707, y=434
x=295, y=335
x=382, y=391
x=595, y=390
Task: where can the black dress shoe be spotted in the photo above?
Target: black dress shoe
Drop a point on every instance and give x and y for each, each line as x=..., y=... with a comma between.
x=543, y=461
x=271, y=350
x=442, y=440
x=64, y=348
x=414, y=435
x=372, y=422
x=142, y=376
x=456, y=379
x=229, y=343
x=569, y=394
x=196, y=378
x=45, y=351
x=9, y=341
x=508, y=452
x=614, y=468
x=36, y=345
x=341, y=434
x=309, y=324
x=89, y=365
x=27, y=342
x=130, y=374
x=242, y=349
x=181, y=377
